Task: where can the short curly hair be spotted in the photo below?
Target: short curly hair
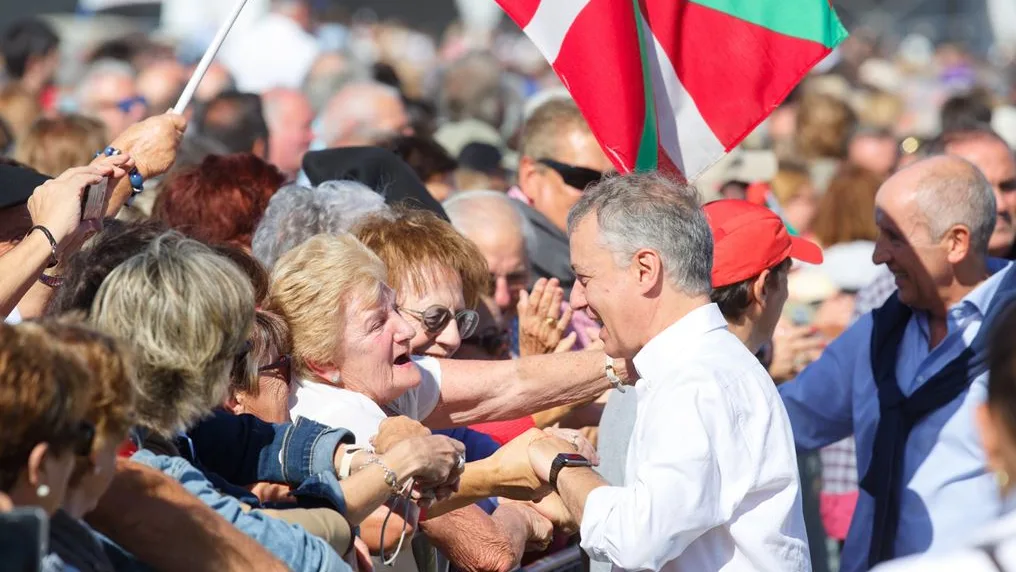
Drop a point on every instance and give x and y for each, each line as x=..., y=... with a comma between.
x=417, y=245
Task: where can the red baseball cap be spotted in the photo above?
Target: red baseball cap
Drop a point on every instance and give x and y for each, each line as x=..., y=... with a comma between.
x=748, y=238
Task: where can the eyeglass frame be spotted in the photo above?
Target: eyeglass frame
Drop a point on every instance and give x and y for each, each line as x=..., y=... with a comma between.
x=448, y=316
x=573, y=175
x=284, y=365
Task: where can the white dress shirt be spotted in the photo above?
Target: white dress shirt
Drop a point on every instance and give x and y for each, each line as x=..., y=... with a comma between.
x=341, y=408
x=711, y=480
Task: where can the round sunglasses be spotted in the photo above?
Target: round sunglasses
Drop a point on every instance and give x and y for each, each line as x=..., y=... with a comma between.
x=436, y=317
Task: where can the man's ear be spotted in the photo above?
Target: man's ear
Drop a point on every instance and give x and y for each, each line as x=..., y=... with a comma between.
x=529, y=177
x=760, y=287
x=957, y=243
x=647, y=266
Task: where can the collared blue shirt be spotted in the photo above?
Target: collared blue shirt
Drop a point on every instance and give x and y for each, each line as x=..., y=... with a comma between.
x=948, y=492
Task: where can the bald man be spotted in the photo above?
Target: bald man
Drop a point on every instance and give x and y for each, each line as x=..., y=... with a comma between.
x=907, y=378
x=492, y=221
x=289, y=117
x=364, y=113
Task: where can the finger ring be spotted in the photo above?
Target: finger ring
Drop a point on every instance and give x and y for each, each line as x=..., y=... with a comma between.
x=551, y=321
x=461, y=466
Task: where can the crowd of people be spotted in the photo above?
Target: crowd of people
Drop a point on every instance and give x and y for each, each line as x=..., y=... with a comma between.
x=385, y=302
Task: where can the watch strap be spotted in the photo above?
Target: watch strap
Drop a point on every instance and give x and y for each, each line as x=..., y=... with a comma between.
x=346, y=464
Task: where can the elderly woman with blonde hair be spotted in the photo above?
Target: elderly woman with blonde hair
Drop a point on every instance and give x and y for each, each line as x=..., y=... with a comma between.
x=353, y=366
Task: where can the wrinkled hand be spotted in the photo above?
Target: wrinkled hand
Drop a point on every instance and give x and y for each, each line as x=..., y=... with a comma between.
x=578, y=442
x=153, y=143
x=541, y=324
x=515, y=476
x=434, y=460
x=542, y=453
x=553, y=509
x=794, y=347
x=395, y=429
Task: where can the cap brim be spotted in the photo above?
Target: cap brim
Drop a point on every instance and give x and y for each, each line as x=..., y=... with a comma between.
x=17, y=184
x=805, y=250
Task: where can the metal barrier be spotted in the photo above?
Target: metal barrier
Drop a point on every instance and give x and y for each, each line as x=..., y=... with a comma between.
x=567, y=560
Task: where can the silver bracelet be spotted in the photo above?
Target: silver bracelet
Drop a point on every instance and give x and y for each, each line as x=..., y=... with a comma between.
x=391, y=479
x=615, y=381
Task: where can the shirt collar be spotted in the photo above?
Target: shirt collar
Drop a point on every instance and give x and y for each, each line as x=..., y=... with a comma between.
x=976, y=302
x=658, y=355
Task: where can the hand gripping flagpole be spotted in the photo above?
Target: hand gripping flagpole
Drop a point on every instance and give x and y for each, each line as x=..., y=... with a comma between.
x=206, y=60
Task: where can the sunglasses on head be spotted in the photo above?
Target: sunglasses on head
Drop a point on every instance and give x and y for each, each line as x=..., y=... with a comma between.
x=435, y=318
x=282, y=365
x=575, y=177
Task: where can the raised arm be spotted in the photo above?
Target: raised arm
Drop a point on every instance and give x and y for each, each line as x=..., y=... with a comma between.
x=474, y=391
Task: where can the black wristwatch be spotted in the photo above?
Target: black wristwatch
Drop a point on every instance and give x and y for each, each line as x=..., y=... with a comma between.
x=563, y=460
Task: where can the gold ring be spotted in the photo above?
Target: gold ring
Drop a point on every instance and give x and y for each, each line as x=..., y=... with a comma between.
x=551, y=321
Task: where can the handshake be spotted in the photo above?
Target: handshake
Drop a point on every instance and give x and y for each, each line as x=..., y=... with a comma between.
x=518, y=472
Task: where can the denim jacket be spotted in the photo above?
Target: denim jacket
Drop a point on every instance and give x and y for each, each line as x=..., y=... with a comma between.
x=297, y=548
x=241, y=450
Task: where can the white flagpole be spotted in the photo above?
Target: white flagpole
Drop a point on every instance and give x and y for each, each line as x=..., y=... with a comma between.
x=206, y=60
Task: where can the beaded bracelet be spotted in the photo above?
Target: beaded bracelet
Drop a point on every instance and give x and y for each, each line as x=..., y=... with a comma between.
x=137, y=181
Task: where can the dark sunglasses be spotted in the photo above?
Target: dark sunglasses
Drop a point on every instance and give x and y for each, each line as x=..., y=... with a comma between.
x=575, y=177
x=125, y=105
x=516, y=281
x=282, y=365
x=493, y=341
x=436, y=317
x=84, y=439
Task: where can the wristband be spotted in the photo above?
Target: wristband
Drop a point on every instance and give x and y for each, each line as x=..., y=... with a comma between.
x=346, y=464
x=52, y=243
x=608, y=368
x=51, y=281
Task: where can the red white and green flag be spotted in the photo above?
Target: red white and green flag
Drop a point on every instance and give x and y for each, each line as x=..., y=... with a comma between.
x=675, y=84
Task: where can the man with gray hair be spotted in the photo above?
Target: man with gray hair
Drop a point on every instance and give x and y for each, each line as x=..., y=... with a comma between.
x=908, y=378
x=296, y=213
x=109, y=93
x=363, y=113
x=711, y=480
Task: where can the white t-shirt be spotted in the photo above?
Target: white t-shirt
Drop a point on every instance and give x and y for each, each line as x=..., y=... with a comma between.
x=14, y=317
x=342, y=408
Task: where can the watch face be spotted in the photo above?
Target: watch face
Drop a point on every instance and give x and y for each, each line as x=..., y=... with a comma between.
x=574, y=459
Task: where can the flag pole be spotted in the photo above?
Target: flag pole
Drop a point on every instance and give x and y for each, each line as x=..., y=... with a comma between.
x=206, y=60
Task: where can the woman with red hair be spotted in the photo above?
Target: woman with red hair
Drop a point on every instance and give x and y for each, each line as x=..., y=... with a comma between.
x=220, y=200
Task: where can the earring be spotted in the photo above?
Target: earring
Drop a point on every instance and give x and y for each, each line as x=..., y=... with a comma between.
x=1003, y=479
x=42, y=492
x=335, y=379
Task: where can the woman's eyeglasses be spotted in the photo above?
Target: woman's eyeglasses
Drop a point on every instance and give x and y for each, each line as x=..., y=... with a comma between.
x=282, y=365
x=435, y=318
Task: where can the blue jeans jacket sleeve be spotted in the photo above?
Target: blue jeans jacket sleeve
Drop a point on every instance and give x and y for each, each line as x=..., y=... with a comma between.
x=244, y=450
x=297, y=548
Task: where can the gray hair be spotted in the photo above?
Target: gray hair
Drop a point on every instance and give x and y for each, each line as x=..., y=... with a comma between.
x=955, y=192
x=296, y=213
x=97, y=70
x=474, y=212
x=351, y=111
x=185, y=312
x=649, y=210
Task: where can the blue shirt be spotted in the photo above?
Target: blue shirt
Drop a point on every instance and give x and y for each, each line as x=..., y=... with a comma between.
x=948, y=491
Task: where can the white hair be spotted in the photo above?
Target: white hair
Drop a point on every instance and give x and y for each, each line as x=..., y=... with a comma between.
x=649, y=210
x=296, y=213
x=352, y=110
x=473, y=212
